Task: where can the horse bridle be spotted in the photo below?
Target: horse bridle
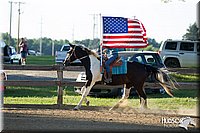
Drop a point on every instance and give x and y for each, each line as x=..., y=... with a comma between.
x=73, y=52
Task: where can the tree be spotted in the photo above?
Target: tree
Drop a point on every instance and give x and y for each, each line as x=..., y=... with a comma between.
x=192, y=33
x=5, y=38
x=93, y=44
x=153, y=42
x=34, y=44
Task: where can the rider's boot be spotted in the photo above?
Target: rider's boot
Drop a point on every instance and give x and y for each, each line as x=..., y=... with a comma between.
x=109, y=77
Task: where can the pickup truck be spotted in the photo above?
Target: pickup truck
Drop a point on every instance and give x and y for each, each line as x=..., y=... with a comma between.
x=61, y=55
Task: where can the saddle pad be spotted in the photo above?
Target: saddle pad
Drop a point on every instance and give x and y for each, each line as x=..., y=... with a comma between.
x=120, y=69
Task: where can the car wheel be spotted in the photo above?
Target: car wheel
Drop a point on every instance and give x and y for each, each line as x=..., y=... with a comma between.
x=115, y=92
x=162, y=91
x=11, y=61
x=20, y=62
x=173, y=63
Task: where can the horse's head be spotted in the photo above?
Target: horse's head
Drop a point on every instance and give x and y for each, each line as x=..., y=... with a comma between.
x=75, y=52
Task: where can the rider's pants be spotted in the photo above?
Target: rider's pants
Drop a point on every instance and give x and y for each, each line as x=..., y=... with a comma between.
x=109, y=61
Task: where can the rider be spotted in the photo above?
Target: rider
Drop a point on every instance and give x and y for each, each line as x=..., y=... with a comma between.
x=111, y=59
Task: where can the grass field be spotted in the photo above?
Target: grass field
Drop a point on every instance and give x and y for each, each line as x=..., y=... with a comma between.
x=41, y=60
x=186, y=77
x=185, y=99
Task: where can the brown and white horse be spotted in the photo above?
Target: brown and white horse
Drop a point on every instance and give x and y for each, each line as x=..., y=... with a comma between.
x=136, y=75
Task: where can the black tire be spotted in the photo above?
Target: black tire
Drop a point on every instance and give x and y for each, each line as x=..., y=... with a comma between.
x=11, y=61
x=115, y=92
x=20, y=62
x=172, y=63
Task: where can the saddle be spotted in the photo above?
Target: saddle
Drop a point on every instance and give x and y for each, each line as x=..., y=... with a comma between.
x=117, y=62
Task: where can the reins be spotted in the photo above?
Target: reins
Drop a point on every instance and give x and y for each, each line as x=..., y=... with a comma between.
x=83, y=57
x=77, y=57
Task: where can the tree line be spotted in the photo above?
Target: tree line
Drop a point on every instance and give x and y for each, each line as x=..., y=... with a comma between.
x=34, y=44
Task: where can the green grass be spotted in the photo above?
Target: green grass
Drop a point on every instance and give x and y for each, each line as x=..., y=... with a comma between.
x=41, y=60
x=186, y=77
x=184, y=99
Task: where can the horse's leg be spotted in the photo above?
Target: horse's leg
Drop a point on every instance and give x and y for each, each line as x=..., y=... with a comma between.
x=87, y=102
x=83, y=97
x=126, y=93
x=124, y=97
x=142, y=95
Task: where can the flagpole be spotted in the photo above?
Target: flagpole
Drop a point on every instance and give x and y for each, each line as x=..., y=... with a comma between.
x=101, y=49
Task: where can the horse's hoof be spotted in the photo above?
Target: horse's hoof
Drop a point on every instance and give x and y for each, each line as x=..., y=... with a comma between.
x=111, y=109
x=76, y=109
x=88, y=103
x=144, y=108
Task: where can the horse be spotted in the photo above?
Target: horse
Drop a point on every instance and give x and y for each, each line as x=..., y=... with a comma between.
x=136, y=75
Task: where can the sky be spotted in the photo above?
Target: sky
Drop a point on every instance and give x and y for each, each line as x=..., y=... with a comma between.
x=73, y=19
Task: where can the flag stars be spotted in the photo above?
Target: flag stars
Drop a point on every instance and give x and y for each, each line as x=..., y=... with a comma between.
x=115, y=25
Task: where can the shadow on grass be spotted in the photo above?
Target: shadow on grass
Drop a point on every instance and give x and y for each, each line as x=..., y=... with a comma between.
x=155, y=93
x=182, y=93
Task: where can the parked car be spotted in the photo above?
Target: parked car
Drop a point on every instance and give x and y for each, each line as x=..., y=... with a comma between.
x=9, y=54
x=31, y=52
x=60, y=55
x=145, y=57
x=5, y=52
x=2, y=44
x=180, y=53
x=15, y=57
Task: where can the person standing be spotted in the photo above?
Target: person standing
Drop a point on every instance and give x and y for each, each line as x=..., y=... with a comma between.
x=23, y=50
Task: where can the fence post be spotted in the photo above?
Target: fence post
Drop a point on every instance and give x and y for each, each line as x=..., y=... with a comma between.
x=60, y=87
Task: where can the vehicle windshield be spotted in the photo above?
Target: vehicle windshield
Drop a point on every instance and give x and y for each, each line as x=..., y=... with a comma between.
x=13, y=51
x=66, y=48
x=149, y=59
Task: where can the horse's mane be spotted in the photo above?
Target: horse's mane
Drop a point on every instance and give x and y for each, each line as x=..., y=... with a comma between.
x=90, y=52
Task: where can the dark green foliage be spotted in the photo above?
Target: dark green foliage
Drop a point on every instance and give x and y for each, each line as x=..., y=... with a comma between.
x=192, y=33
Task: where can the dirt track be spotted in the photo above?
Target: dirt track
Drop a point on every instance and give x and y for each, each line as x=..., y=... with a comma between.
x=50, y=117
x=38, y=75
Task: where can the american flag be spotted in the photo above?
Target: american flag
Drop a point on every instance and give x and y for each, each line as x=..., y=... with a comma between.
x=119, y=32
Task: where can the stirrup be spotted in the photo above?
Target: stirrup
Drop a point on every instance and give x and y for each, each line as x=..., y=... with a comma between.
x=108, y=80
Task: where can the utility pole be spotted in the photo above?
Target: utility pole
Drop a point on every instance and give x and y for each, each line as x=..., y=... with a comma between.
x=95, y=24
x=41, y=37
x=10, y=22
x=19, y=11
x=73, y=34
x=52, y=49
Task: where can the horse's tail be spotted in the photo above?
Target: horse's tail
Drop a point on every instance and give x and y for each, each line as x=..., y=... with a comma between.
x=164, y=79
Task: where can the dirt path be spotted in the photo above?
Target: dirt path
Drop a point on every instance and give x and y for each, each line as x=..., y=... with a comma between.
x=51, y=117
x=42, y=75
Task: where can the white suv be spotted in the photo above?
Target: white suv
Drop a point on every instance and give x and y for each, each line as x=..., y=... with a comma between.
x=180, y=53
